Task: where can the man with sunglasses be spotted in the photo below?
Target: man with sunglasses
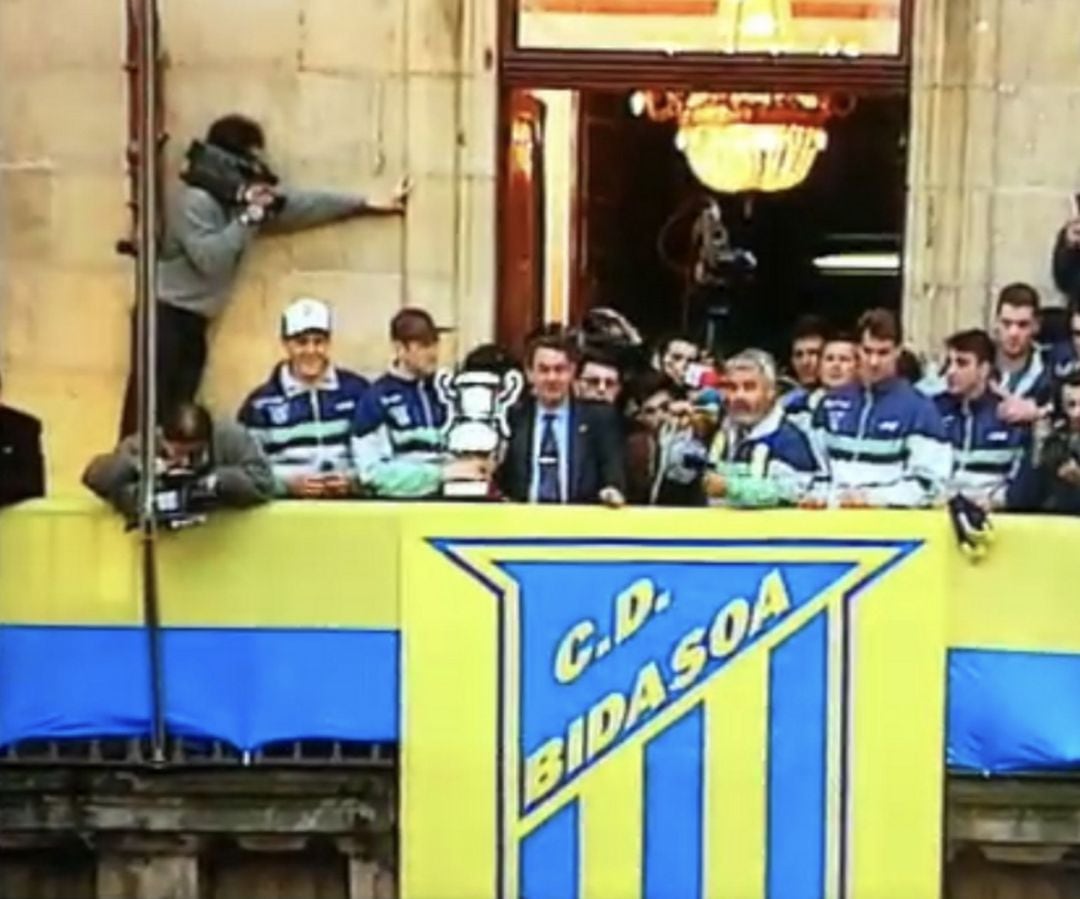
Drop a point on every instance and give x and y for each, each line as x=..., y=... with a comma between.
x=599, y=379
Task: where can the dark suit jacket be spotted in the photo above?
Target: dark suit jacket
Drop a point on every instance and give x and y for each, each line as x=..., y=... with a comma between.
x=22, y=468
x=595, y=447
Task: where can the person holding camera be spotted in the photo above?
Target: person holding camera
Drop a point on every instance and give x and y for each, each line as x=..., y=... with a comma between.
x=302, y=416
x=200, y=466
x=230, y=196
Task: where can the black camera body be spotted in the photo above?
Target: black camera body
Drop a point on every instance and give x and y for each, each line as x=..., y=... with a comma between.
x=181, y=499
x=226, y=176
x=719, y=264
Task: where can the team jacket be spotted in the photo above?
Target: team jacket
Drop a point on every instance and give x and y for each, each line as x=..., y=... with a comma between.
x=1063, y=361
x=771, y=464
x=304, y=430
x=398, y=443
x=988, y=453
x=1035, y=380
x=799, y=406
x=886, y=442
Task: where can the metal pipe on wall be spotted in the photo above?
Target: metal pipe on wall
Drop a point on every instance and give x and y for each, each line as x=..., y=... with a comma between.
x=145, y=83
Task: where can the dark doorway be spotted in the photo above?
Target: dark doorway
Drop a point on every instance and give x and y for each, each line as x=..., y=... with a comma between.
x=639, y=203
x=829, y=246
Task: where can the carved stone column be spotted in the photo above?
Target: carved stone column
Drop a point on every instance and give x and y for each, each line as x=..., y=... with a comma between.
x=993, y=165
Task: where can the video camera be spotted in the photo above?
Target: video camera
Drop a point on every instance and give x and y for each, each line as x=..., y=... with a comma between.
x=719, y=264
x=226, y=176
x=182, y=499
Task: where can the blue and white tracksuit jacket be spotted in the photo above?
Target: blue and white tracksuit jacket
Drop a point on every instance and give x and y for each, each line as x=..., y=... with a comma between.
x=1063, y=360
x=988, y=453
x=304, y=429
x=885, y=442
x=770, y=464
x=398, y=443
x=1035, y=380
x=800, y=405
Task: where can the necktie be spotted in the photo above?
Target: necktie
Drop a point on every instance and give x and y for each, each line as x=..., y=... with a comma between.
x=548, y=488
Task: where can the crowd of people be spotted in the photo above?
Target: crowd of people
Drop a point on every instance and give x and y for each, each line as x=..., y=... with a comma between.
x=848, y=422
x=850, y=419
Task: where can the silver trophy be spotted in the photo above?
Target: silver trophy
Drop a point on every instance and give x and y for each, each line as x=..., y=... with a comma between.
x=477, y=403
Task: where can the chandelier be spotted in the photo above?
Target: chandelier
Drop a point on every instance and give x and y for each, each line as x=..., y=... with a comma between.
x=739, y=142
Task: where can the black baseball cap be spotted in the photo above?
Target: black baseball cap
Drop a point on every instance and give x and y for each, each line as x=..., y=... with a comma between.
x=415, y=325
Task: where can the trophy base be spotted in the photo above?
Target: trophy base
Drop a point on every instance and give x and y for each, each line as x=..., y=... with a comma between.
x=467, y=490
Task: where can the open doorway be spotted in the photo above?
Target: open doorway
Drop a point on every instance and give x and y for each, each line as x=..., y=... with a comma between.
x=616, y=217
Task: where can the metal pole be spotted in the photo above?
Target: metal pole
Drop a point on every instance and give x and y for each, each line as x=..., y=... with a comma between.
x=145, y=20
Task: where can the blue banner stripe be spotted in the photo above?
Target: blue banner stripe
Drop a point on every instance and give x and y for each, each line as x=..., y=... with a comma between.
x=79, y=683
x=1013, y=711
x=247, y=687
x=674, y=833
x=798, y=743
x=550, y=859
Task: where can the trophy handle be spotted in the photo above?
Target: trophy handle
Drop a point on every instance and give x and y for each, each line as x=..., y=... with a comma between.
x=444, y=386
x=512, y=385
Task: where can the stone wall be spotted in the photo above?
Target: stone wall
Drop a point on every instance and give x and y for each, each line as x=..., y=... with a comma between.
x=994, y=163
x=351, y=95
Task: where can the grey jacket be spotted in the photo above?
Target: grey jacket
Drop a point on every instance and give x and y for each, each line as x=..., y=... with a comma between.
x=244, y=476
x=205, y=242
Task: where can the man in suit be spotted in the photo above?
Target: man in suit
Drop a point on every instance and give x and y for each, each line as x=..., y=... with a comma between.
x=22, y=467
x=561, y=450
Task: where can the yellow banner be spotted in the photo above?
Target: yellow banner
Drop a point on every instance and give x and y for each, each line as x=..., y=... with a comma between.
x=748, y=706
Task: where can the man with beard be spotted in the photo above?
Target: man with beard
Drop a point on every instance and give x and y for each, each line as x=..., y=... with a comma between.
x=765, y=459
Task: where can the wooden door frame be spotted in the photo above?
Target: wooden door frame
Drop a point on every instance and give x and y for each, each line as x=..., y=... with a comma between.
x=622, y=69
x=524, y=68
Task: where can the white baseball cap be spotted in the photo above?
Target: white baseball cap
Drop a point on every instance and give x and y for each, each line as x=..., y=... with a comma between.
x=304, y=315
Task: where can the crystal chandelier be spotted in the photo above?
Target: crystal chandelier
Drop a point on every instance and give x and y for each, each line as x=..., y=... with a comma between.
x=745, y=141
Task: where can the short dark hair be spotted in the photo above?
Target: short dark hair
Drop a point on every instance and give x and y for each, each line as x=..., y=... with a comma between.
x=1072, y=379
x=881, y=324
x=489, y=357
x=600, y=357
x=414, y=325
x=975, y=341
x=909, y=367
x=649, y=383
x=1020, y=296
x=550, y=340
x=187, y=423
x=237, y=134
x=668, y=339
x=840, y=337
x=809, y=326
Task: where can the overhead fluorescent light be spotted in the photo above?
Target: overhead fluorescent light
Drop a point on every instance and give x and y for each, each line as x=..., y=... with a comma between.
x=859, y=264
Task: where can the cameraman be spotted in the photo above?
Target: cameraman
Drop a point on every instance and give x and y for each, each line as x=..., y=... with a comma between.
x=230, y=195
x=211, y=465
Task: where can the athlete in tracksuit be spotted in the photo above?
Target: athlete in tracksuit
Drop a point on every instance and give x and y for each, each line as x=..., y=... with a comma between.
x=770, y=464
x=760, y=458
x=398, y=443
x=885, y=442
x=988, y=453
x=304, y=429
x=302, y=417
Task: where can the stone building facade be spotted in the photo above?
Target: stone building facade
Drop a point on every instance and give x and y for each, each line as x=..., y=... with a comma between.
x=352, y=95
